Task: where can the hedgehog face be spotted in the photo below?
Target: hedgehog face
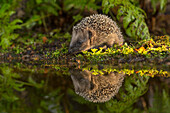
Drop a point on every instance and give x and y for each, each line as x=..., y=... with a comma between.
x=81, y=80
x=81, y=40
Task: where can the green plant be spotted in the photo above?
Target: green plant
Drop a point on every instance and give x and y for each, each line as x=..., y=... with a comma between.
x=39, y=10
x=133, y=17
x=8, y=83
x=162, y=5
x=80, y=4
x=140, y=72
x=7, y=27
x=134, y=87
x=158, y=48
x=161, y=101
x=56, y=53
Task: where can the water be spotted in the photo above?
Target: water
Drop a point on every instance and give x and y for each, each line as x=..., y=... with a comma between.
x=53, y=88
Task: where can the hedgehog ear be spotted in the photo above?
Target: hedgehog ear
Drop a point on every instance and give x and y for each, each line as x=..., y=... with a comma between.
x=90, y=34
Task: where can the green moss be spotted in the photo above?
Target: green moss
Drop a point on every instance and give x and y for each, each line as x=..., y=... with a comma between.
x=152, y=49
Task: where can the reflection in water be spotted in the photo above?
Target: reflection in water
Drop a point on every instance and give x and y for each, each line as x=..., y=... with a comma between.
x=48, y=90
x=96, y=88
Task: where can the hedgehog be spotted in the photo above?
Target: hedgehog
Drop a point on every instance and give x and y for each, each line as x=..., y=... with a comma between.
x=96, y=88
x=95, y=31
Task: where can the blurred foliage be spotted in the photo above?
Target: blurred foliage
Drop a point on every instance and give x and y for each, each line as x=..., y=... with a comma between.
x=162, y=5
x=7, y=27
x=161, y=102
x=38, y=10
x=80, y=4
x=9, y=83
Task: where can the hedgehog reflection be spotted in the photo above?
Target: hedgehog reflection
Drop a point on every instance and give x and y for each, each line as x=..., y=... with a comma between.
x=96, y=88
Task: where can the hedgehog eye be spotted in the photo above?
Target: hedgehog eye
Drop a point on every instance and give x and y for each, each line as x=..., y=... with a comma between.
x=79, y=42
x=90, y=34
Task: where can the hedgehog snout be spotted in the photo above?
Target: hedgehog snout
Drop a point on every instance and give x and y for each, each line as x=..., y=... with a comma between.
x=69, y=51
x=72, y=49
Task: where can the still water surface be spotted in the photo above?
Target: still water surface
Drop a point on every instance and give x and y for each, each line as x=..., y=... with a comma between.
x=83, y=89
